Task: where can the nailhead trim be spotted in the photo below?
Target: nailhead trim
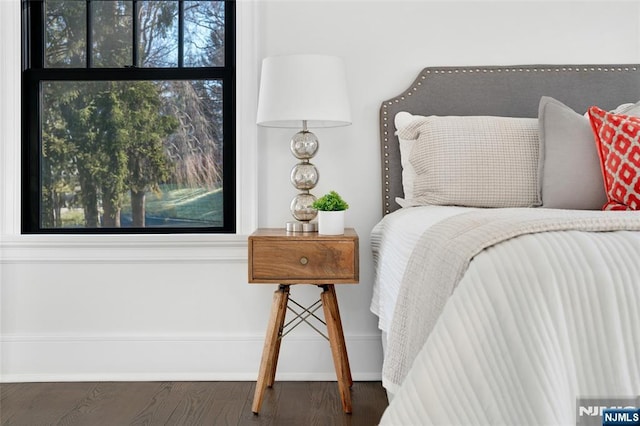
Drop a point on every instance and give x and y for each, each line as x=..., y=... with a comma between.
x=427, y=71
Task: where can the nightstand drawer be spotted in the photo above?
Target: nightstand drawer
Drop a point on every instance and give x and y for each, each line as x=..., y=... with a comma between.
x=298, y=259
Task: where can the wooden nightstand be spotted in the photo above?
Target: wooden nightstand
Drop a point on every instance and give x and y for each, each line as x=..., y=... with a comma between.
x=277, y=256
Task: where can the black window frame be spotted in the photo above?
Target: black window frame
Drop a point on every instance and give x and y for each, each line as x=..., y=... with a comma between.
x=34, y=73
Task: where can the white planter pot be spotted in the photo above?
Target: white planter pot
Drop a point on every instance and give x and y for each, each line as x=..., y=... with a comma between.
x=331, y=223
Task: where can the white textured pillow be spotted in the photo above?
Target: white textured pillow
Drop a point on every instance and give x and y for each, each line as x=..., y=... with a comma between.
x=402, y=120
x=475, y=161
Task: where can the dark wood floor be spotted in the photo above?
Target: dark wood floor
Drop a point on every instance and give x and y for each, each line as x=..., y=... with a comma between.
x=186, y=403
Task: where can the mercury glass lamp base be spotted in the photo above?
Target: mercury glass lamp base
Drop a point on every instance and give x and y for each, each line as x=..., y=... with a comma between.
x=302, y=227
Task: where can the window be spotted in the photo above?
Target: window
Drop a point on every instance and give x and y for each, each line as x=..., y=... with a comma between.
x=128, y=116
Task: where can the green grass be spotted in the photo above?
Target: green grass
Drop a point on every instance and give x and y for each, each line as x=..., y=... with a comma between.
x=186, y=203
x=72, y=218
x=200, y=205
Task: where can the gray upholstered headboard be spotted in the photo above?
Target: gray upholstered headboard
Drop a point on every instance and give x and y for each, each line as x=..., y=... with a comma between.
x=511, y=91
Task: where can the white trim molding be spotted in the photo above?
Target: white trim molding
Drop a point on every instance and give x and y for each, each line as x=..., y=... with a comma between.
x=176, y=358
x=122, y=249
x=10, y=68
x=247, y=72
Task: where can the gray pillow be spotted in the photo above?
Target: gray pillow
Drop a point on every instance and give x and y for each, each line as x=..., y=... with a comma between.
x=569, y=167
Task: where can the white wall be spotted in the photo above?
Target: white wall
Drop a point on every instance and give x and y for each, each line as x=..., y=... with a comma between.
x=180, y=307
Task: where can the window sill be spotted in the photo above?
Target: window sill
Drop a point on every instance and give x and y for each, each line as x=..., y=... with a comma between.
x=174, y=248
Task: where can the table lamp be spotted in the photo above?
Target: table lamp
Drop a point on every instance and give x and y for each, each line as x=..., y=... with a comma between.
x=303, y=91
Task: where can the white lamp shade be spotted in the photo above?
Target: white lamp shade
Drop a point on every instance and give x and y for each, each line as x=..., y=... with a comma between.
x=294, y=88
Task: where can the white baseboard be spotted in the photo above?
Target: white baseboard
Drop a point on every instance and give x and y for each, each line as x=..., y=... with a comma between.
x=177, y=358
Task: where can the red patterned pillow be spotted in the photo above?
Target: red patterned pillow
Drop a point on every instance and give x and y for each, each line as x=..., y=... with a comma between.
x=618, y=141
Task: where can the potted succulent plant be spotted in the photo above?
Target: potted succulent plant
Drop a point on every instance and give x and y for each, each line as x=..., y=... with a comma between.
x=331, y=209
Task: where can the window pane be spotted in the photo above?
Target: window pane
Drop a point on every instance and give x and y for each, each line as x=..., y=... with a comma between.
x=204, y=33
x=131, y=154
x=158, y=33
x=112, y=34
x=65, y=33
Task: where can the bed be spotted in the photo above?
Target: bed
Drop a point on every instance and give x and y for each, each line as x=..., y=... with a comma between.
x=507, y=262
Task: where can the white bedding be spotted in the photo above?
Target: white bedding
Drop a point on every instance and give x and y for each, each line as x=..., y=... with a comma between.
x=392, y=241
x=535, y=322
x=442, y=256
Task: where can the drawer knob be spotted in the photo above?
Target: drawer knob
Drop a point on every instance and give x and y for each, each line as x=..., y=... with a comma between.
x=304, y=260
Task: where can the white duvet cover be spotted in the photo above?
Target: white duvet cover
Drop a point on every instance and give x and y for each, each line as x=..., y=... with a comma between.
x=536, y=322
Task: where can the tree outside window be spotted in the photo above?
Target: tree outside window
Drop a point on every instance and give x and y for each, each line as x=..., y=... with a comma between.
x=129, y=116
